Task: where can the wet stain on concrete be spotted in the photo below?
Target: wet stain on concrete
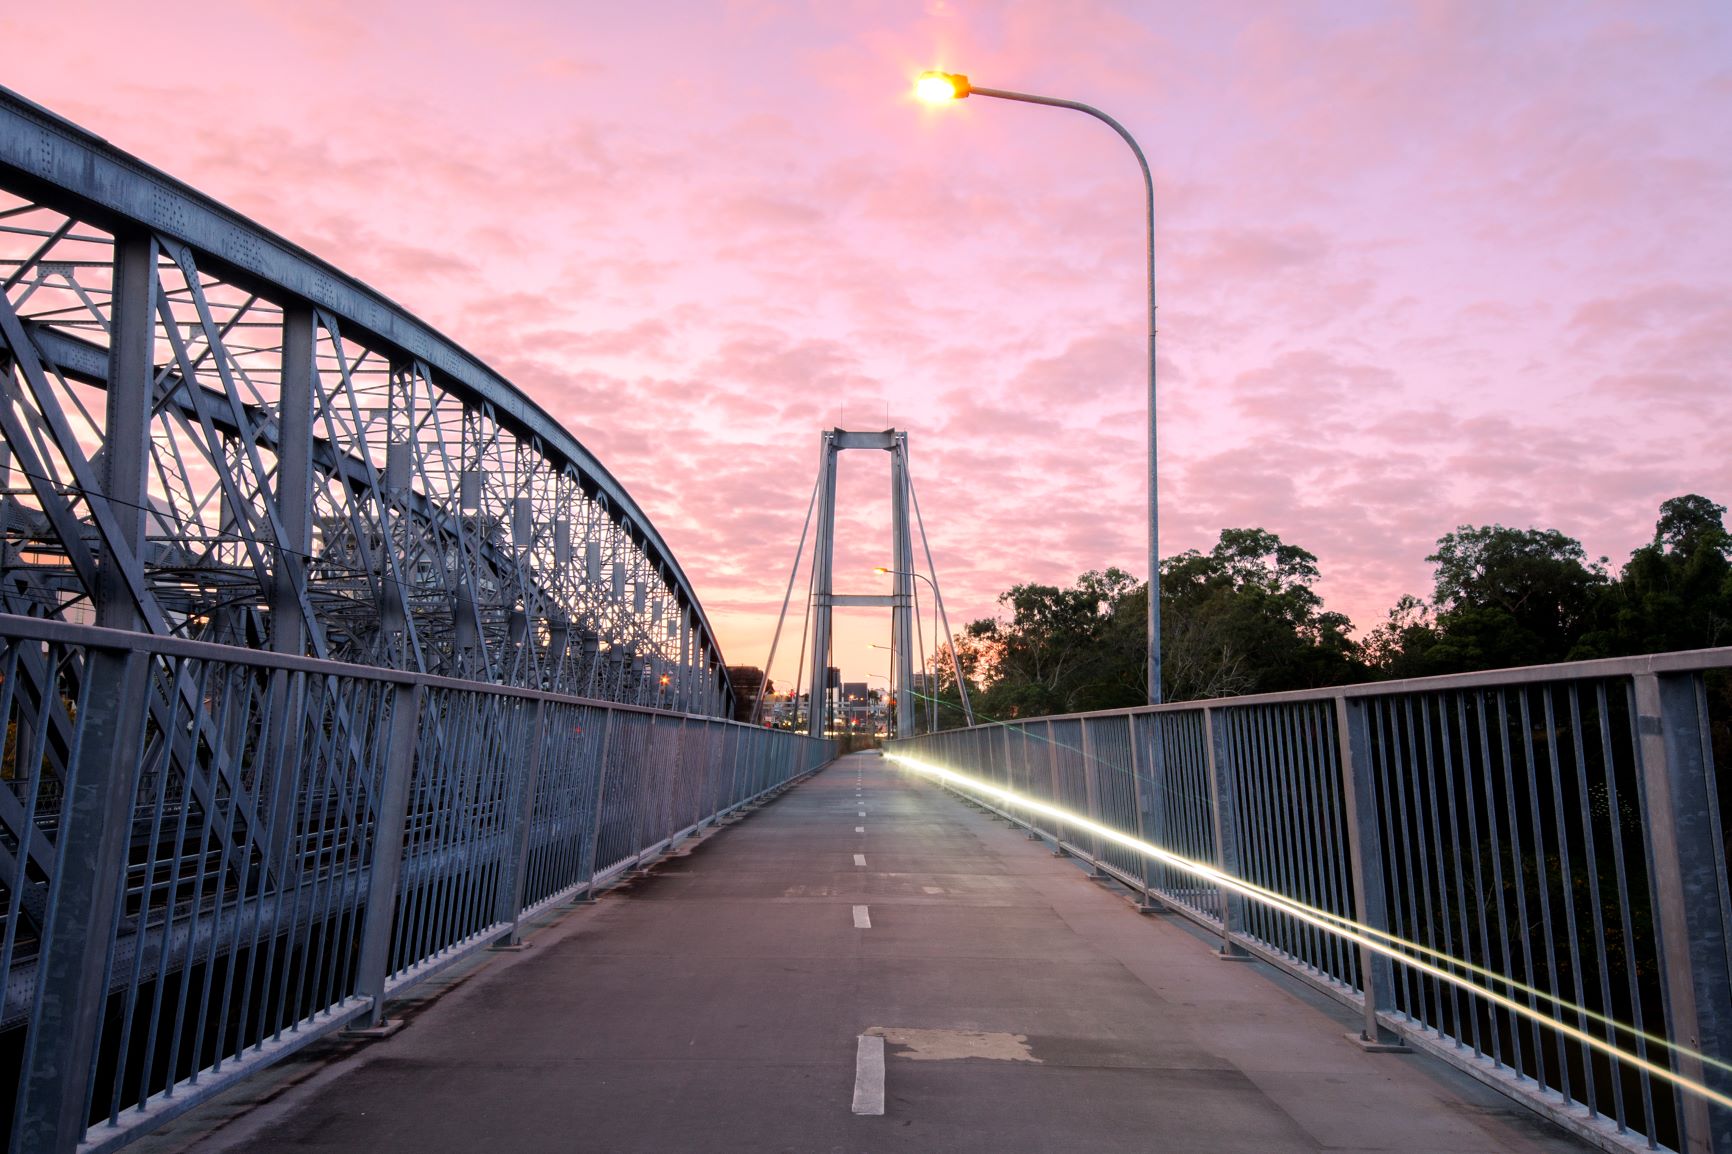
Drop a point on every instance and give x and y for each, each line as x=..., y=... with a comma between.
x=951, y=1045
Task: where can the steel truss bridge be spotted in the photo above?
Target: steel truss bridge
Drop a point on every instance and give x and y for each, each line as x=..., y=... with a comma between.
x=325, y=653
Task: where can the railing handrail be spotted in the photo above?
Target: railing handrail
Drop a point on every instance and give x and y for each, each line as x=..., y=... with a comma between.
x=1679, y=661
x=71, y=633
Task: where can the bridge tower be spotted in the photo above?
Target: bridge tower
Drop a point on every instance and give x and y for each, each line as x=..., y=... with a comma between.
x=824, y=597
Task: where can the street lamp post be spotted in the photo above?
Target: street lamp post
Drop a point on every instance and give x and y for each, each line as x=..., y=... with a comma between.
x=955, y=665
x=890, y=692
x=891, y=682
x=943, y=87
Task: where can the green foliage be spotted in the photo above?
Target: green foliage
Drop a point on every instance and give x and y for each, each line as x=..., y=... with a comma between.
x=1676, y=591
x=1245, y=617
x=1241, y=618
x=1507, y=597
x=1503, y=597
x=1061, y=650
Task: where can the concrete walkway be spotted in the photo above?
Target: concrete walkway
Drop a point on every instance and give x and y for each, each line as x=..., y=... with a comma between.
x=718, y=1005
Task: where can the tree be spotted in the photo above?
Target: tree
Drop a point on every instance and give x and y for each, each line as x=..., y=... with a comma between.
x=1401, y=645
x=1061, y=649
x=1241, y=618
x=1244, y=618
x=1676, y=591
x=1506, y=597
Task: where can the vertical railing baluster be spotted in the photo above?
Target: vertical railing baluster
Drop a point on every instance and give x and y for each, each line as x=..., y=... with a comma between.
x=1621, y=876
x=1692, y=907
x=1092, y=796
x=511, y=880
x=387, y=863
x=1057, y=798
x=1222, y=794
x=1139, y=798
x=1365, y=852
x=590, y=852
x=54, y=1085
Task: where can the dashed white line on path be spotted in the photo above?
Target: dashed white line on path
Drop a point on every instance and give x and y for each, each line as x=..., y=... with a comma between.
x=869, y=1073
x=859, y=859
x=859, y=829
x=862, y=813
x=862, y=920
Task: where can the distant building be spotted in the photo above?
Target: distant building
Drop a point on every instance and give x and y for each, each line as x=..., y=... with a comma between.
x=748, y=682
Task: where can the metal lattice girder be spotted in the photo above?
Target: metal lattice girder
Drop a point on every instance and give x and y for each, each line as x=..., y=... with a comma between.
x=206, y=432
x=317, y=471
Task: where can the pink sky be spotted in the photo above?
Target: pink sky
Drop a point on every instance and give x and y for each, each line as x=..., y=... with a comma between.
x=1421, y=264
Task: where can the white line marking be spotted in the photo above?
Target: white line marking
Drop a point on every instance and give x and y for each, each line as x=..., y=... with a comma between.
x=862, y=920
x=859, y=829
x=869, y=1073
x=859, y=859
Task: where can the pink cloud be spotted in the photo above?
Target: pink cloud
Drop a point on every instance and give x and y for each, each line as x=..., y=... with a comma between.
x=1421, y=263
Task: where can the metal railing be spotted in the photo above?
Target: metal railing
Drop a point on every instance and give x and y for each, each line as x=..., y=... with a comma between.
x=226, y=853
x=1544, y=845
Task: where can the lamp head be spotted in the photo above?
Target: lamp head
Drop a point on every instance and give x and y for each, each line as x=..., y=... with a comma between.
x=941, y=87
x=879, y=569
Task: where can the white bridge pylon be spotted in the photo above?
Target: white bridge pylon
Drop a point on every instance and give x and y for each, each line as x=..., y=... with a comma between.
x=904, y=519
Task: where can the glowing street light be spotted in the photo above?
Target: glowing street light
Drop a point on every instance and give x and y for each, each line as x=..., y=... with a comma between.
x=939, y=87
x=947, y=87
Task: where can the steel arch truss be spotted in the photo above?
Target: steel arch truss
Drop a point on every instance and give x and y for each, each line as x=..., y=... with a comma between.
x=208, y=433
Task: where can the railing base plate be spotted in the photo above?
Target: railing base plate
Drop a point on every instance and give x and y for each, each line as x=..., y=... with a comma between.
x=374, y=1033
x=1372, y=1046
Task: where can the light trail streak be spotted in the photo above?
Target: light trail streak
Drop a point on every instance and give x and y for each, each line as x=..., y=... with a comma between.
x=1356, y=932
x=1281, y=900
x=1291, y=905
